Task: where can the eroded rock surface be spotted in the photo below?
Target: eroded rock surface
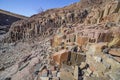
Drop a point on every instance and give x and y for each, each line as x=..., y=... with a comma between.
x=77, y=42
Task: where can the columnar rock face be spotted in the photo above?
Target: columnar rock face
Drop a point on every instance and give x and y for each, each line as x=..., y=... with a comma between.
x=45, y=23
x=109, y=13
x=90, y=34
x=77, y=42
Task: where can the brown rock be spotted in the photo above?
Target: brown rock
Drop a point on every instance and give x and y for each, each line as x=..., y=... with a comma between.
x=117, y=59
x=82, y=40
x=114, y=52
x=60, y=56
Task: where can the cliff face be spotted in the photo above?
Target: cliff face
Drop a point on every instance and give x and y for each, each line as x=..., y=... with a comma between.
x=45, y=23
x=108, y=13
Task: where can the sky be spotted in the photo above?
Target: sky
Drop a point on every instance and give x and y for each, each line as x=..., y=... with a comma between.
x=30, y=7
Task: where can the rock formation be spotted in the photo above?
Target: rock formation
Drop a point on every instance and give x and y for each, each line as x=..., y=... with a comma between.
x=77, y=42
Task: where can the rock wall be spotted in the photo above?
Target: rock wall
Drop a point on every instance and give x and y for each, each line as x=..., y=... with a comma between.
x=43, y=24
x=46, y=23
x=109, y=13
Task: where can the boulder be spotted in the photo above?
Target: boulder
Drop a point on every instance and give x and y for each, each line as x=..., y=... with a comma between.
x=60, y=57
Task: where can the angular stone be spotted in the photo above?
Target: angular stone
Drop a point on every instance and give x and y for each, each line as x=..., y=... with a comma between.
x=76, y=73
x=114, y=52
x=80, y=58
x=72, y=58
x=96, y=48
x=82, y=65
x=60, y=56
x=89, y=72
x=64, y=75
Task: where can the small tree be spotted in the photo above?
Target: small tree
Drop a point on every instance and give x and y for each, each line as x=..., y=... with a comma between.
x=40, y=10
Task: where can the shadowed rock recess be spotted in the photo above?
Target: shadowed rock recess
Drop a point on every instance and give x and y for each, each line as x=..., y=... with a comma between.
x=77, y=42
